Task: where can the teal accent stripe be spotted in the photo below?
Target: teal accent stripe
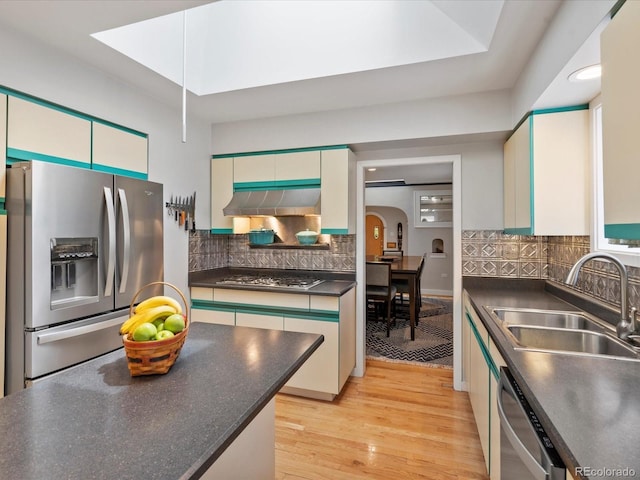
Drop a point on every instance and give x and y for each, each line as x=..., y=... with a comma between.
x=63, y=109
x=120, y=127
x=519, y=231
x=483, y=347
x=271, y=152
x=617, y=7
x=319, y=315
x=118, y=171
x=277, y=185
x=3, y=212
x=15, y=155
x=547, y=110
x=334, y=231
x=625, y=231
x=532, y=217
x=571, y=108
x=222, y=231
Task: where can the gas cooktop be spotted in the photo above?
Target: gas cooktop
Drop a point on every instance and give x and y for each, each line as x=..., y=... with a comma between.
x=299, y=283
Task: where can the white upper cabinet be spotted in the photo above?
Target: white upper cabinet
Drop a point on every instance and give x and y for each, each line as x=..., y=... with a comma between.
x=273, y=170
x=337, y=196
x=221, y=194
x=119, y=151
x=39, y=132
x=546, y=174
x=621, y=123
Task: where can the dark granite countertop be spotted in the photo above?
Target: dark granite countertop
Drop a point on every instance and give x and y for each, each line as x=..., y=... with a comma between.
x=589, y=406
x=335, y=284
x=96, y=421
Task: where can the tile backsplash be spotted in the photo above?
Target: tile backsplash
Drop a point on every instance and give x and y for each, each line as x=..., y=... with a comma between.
x=492, y=253
x=208, y=251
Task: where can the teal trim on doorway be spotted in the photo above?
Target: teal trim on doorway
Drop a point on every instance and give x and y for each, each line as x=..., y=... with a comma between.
x=272, y=152
x=624, y=231
x=572, y=108
x=15, y=155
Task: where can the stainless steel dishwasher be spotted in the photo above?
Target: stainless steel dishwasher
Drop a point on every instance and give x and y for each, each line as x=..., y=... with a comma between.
x=526, y=452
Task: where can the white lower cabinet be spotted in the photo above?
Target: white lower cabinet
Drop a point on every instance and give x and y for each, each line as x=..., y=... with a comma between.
x=320, y=371
x=481, y=366
x=324, y=374
x=256, y=320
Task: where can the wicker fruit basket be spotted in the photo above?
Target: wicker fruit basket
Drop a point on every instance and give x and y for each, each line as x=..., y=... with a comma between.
x=156, y=356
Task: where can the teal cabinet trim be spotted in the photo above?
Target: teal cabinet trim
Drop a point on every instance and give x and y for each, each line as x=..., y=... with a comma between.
x=271, y=152
x=571, y=108
x=120, y=127
x=63, y=109
x=519, y=231
x=15, y=155
x=222, y=231
x=277, y=185
x=532, y=218
x=334, y=231
x=318, y=315
x=118, y=171
x=624, y=231
x=545, y=111
x=483, y=348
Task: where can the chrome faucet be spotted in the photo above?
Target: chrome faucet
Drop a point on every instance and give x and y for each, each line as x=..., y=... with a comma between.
x=627, y=323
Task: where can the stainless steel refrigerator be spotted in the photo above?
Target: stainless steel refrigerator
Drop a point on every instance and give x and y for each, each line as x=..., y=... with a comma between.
x=80, y=244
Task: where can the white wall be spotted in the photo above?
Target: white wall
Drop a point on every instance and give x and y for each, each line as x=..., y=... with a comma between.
x=437, y=277
x=39, y=70
x=481, y=178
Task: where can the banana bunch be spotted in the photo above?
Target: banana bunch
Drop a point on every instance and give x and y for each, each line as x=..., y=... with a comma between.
x=154, y=308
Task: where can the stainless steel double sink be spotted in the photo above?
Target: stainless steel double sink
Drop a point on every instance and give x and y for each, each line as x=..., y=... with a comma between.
x=561, y=331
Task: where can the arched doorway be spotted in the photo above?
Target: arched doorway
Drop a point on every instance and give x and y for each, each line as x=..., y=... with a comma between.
x=374, y=231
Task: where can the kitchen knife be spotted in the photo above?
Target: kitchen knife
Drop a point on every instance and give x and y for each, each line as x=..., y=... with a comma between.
x=177, y=207
x=187, y=209
x=193, y=213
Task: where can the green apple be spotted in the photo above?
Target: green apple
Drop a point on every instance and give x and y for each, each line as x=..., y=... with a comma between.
x=174, y=323
x=162, y=334
x=145, y=332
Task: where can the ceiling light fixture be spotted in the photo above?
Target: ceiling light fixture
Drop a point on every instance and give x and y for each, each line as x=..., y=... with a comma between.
x=586, y=73
x=371, y=169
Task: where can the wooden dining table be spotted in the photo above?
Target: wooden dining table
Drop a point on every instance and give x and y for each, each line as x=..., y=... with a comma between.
x=407, y=267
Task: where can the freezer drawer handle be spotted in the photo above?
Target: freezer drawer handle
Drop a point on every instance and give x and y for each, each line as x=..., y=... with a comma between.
x=111, y=225
x=127, y=239
x=525, y=455
x=76, y=332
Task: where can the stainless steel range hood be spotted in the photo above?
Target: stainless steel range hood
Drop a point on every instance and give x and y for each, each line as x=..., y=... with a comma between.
x=303, y=201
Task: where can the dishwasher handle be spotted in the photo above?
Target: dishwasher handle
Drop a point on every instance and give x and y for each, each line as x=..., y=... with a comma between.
x=537, y=470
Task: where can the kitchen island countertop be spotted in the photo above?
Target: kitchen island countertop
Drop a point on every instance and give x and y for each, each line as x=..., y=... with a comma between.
x=96, y=421
x=588, y=405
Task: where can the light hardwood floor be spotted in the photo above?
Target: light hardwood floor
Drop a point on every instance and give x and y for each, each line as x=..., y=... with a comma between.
x=397, y=422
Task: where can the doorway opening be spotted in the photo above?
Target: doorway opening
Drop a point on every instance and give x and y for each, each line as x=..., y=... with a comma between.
x=454, y=162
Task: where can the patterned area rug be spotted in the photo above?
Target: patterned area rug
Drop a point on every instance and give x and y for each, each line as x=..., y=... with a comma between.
x=434, y=336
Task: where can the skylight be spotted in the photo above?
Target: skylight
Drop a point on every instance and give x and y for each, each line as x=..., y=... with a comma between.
x=233, y=45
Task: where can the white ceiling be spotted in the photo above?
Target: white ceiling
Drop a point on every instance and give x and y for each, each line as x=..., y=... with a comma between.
x=480, y=46
x=68, y=25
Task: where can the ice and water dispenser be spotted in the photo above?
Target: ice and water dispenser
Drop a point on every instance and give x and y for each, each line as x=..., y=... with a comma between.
x=74, y=271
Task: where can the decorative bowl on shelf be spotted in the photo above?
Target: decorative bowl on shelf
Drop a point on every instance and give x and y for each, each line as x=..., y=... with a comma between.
x=307, y=237
x=261, y=236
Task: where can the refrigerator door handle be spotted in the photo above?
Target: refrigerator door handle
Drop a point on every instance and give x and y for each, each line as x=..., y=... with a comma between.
x=43, y=337
x=111, y=225
x=127, y=239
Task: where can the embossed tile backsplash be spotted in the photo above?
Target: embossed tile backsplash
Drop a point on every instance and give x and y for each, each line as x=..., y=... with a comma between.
x=491, y=253
x=208, y=251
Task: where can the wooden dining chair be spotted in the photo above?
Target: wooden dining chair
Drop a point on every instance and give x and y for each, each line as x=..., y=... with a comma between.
x=402, y=295
x=381, y=293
